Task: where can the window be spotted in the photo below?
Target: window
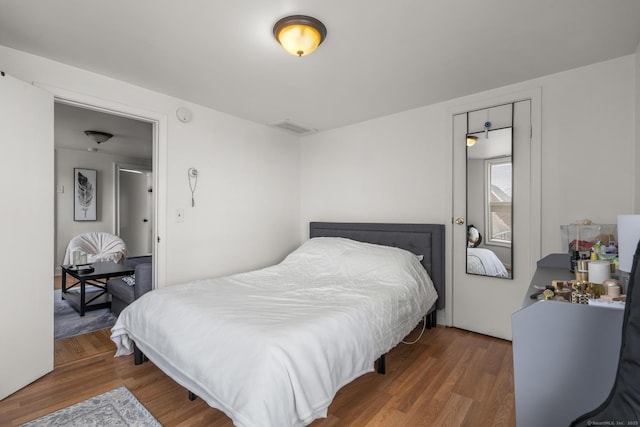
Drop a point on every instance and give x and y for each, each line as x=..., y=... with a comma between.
x=499, y=180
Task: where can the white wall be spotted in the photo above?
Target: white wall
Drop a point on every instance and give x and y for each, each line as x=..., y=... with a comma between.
x=392, y=169
x=247, y=200
x=248, y=196
x=587, y=146
x=66, y=228
x=385, y=170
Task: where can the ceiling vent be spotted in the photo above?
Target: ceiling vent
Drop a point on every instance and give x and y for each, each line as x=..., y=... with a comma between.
x=293, y=127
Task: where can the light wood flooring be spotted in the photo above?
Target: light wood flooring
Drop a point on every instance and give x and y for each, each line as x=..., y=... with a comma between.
x=57, y=282
x=449, y=378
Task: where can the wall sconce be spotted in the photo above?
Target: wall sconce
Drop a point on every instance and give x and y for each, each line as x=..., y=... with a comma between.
x=299, y=34
x=97, y=136
x=471, y=140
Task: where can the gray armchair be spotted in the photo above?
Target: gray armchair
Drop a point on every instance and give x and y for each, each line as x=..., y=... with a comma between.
x=123, y=294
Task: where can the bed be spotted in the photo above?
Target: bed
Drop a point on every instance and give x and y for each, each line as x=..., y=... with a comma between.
x=485, y=262
x=273, y=346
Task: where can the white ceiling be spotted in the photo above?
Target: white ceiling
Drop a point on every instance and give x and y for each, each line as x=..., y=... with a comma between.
x=380, y=57
x=495, y=143
x=131, y=138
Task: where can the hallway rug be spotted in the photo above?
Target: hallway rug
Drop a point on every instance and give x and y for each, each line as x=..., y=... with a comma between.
x=118, y=407
x=67, y=322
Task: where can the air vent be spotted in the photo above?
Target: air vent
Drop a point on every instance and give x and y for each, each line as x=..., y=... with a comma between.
x=292, y=127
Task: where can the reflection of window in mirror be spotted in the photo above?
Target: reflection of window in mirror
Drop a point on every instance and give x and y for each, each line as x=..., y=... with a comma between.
x=499, y=181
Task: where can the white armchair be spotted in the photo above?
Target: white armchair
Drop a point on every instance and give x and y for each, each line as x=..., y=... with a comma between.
x=99, y=246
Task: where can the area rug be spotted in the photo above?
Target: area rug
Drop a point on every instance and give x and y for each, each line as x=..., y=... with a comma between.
x=118, y=407
x=67, y=322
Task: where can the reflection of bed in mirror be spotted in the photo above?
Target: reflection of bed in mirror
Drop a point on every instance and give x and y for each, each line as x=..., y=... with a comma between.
x=484, y=261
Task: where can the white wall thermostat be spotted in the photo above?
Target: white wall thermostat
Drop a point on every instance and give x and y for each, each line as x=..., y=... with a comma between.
x=184, y=114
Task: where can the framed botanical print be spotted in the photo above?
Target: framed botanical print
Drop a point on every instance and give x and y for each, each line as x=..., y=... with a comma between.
x=85, y=194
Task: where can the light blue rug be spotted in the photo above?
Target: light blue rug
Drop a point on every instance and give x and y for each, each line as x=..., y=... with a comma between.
x=67, y=322
x=118, y=407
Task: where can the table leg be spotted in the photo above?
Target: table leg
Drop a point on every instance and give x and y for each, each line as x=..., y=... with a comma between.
x=82, y=296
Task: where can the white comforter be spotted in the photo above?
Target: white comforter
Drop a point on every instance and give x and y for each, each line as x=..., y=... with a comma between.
x=273, y=346
x=486, y=262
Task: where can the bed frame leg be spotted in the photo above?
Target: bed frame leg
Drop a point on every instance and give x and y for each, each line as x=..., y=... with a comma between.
x=431, y=319
x=381, y=366
x=192, y=396
x=138, y=357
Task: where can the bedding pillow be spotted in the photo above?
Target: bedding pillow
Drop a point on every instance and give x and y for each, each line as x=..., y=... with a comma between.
x=354, y=261
x=129, y=280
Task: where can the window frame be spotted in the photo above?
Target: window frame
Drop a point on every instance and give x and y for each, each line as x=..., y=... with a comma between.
x=489, y=240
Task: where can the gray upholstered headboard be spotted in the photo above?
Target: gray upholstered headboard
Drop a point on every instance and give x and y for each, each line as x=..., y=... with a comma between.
x=421, y=239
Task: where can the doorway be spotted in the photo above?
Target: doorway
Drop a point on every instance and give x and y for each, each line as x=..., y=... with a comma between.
x=28, y=126
x=132, y=143
x=134, y=208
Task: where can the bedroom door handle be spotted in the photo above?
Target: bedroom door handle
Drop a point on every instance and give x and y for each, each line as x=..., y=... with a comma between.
x=459, y=221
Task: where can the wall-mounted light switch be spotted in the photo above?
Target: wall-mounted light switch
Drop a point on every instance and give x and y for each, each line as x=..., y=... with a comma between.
x=179, y=215
x=59, y=188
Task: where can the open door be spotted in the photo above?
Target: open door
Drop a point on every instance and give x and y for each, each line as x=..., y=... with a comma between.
x=27, y=174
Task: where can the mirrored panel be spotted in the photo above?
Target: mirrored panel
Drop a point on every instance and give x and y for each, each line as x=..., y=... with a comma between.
x=489, y=203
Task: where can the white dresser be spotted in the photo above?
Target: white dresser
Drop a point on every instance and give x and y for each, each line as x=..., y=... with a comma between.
x=565, y=356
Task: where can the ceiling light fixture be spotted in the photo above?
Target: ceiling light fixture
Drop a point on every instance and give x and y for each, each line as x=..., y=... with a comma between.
x=97, y=136
x=471, y=140
x=299, y=34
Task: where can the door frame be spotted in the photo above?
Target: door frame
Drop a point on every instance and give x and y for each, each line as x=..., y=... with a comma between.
x=117, y=166
x=482, y=101
x=159, y=123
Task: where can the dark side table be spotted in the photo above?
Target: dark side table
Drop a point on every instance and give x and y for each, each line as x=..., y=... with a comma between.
x=102, y=271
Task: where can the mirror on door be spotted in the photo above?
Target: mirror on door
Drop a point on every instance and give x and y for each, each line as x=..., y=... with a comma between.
x=489, y=203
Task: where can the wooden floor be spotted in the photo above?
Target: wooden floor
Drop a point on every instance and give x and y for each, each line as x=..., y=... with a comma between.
x=449, y=378
x=57, y=282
